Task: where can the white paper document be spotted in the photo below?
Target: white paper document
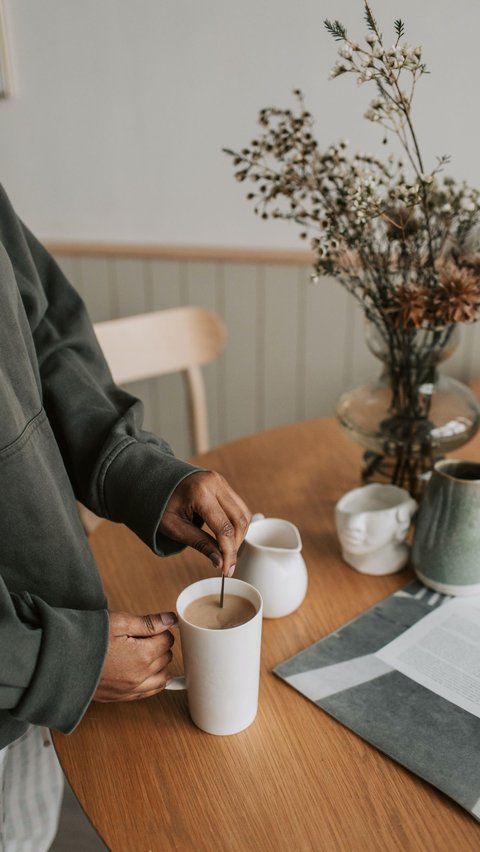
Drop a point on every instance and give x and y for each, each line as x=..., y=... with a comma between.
x=442, y=653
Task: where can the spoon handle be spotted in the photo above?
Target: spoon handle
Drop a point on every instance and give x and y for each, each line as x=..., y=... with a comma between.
x=222, y=590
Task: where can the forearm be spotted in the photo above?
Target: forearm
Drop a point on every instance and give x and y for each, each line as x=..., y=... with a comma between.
x=117, y=469
x=50, y=659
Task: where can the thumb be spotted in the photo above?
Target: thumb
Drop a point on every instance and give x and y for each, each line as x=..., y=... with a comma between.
x=189, y=534
x=139, y=626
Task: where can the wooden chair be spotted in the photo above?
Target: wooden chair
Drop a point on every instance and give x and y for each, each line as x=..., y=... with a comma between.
x=154, y=344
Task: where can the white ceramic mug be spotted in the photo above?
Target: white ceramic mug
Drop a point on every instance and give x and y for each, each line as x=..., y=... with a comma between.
x=270, y=559
x=222, y=667
x=372, y=525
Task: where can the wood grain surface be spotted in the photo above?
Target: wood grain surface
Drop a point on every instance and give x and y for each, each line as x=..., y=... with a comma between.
x=296, y=779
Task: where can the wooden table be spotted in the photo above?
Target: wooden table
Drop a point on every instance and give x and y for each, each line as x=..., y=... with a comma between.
x=296, y=779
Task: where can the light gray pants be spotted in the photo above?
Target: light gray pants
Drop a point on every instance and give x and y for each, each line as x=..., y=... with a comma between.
x=31, y=788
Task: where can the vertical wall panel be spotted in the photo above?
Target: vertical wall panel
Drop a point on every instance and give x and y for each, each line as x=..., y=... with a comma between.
x=292, y=346
x=326, y=346
x=166, y=283
x=128, y=296
x=96, y=275
x=362, y=365
x=71, y=269
x=281, y=341
x=474, y=352
x=130, y=287
x=241, y=284
x=167, y=279
x=172, y=416
x=204, y=287
x=303, y=282
x=459, y=364
x=260, y=349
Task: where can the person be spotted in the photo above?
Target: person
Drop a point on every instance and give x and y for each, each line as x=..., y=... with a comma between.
x=67, y=433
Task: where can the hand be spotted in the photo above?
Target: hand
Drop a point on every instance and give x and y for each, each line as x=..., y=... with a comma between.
x=207, y=495
x=137, y=656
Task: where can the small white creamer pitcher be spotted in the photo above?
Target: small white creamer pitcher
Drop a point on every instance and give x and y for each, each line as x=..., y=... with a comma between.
x=271, y=560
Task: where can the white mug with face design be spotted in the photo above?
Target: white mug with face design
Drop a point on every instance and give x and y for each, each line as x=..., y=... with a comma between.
x=372, y=525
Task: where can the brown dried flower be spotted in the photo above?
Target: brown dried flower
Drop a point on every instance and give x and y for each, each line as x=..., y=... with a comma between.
x=457, y=298
x=408, y=308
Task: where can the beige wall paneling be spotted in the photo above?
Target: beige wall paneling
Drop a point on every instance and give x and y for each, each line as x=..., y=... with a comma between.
x=241, y=283
x=303, y=282
x=292, y=346
x=459, y=365
x=327, y=348
x=130, y=294
x=96, y=278
x=471, y=361
x=204, y=285
x=281, y=345
x=131, y=287
x=360, y=365
x=473, y=364
x=71, y=268
x=167, y=287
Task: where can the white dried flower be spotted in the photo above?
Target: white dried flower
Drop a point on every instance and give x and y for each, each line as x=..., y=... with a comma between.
x=338, y=68
x=364, y=76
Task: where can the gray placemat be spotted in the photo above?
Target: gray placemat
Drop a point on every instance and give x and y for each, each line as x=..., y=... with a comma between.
x=430, y=736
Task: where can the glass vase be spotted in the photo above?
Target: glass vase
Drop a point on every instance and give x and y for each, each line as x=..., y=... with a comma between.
x=411, y=415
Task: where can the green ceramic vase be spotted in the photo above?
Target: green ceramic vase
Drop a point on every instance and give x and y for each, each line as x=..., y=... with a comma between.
x=446, y=543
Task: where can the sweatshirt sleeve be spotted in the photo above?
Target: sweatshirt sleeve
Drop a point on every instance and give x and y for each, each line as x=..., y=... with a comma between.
x=118, y=470
x=43, y=650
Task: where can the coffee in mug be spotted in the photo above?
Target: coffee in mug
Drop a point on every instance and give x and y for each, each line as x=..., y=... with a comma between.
x=221, y=653
x=207, y=612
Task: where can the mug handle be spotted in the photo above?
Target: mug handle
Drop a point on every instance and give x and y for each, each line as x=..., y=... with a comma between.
x=177, y=683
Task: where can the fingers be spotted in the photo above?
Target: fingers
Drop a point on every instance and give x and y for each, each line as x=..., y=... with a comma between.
x=239, y=515
x=208, y=495
x=151, y=652
x=150, y=686
x=135, y=666
x=187, y=533
x=155, y=681
x=225, y=532
x=139, y=626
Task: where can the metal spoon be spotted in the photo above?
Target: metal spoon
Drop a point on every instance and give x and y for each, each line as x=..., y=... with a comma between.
x=222, y=590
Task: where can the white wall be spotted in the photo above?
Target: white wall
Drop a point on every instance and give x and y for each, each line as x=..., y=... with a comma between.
x=121, y=108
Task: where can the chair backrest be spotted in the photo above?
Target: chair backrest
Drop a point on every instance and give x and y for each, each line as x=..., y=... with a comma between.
x=175, y=340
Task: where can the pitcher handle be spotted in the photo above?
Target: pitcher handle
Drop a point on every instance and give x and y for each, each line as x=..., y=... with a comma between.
x=257, y=517
x=177, y=683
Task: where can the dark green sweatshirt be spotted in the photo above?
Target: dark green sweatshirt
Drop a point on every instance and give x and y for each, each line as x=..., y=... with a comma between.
x=66, y=432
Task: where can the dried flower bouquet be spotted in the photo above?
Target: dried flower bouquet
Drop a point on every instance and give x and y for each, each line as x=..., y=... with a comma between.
x=404, y=240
